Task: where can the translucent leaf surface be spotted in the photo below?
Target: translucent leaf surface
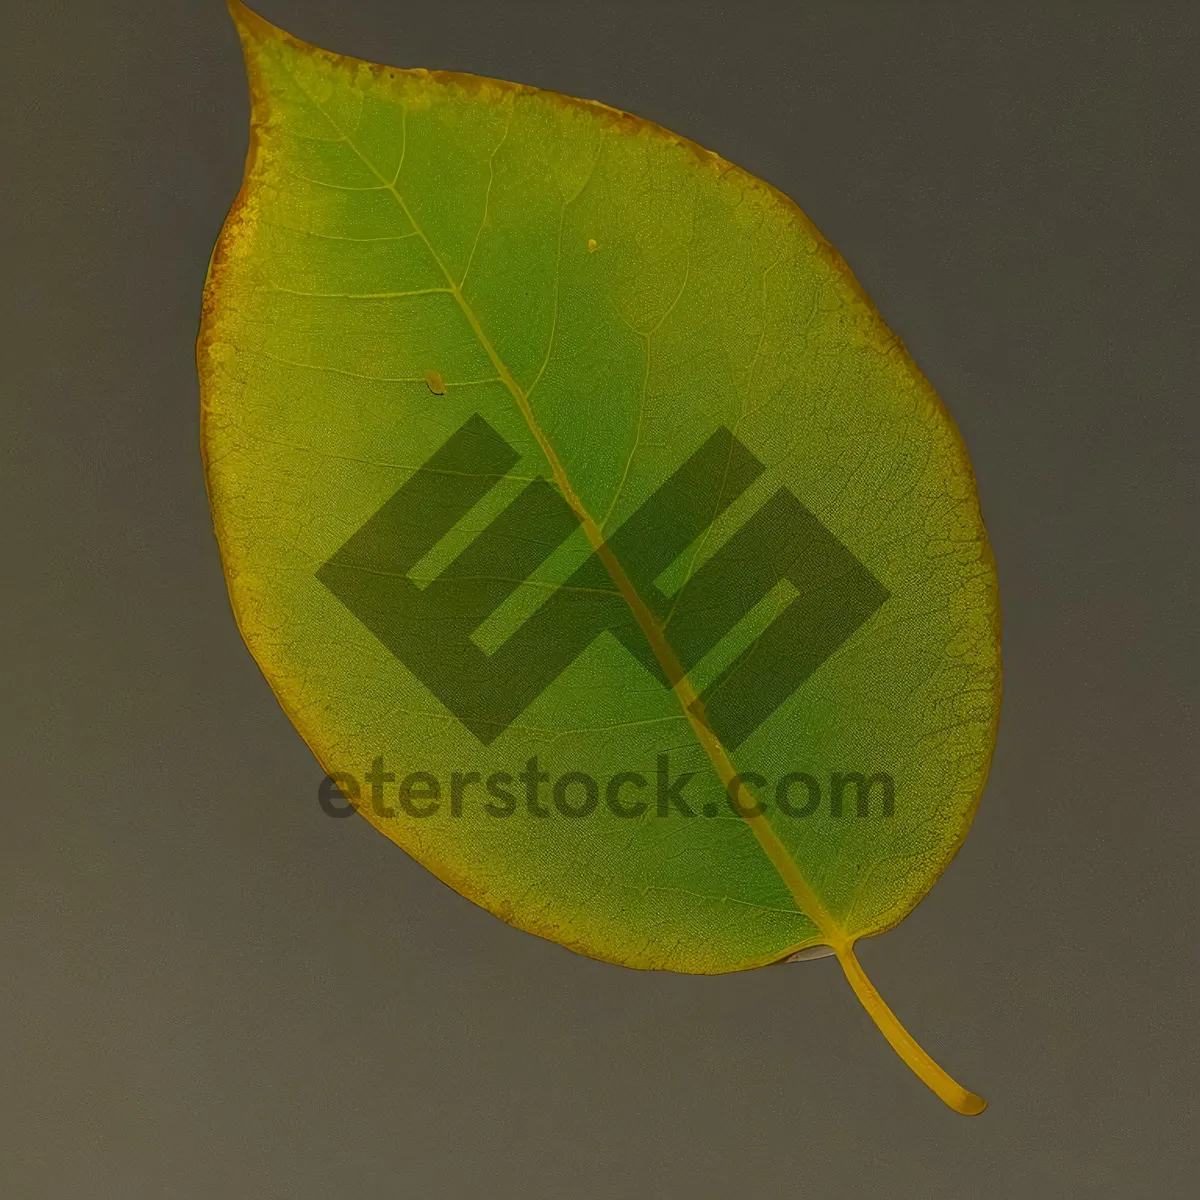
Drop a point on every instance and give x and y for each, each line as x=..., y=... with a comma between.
x=535, y=431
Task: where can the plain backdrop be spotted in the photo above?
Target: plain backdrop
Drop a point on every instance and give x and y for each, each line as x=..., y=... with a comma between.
x=210, y=989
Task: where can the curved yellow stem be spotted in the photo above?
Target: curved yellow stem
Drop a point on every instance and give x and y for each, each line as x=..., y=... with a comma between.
x=929, y=1073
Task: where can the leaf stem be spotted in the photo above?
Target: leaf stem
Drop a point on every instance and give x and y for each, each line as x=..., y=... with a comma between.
x=926, y=1070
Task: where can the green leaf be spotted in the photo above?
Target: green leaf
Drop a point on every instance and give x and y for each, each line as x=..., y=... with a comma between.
x=536, y=432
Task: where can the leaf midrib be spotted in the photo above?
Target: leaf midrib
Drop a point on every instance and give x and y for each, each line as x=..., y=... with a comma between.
x=769, y=842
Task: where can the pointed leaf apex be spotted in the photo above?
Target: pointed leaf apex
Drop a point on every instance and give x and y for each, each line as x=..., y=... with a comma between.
x=250, y=26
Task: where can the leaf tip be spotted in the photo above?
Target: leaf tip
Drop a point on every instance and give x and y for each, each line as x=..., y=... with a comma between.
x=252, y=28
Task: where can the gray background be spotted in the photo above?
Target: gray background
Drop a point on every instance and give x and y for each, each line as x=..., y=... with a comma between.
x=208, y=988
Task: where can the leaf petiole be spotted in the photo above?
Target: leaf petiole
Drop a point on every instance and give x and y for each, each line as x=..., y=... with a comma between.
x=930, y=1074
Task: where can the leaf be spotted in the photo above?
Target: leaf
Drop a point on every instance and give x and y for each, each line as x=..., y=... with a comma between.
x=588, y=522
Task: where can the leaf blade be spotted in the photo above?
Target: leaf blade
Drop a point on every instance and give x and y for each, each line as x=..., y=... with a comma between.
x=467, y=130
